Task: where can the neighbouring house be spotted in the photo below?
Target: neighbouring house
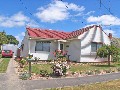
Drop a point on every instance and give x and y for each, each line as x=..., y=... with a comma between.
x=81, y=44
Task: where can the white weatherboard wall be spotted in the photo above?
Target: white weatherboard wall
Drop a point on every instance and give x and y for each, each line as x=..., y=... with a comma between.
x=74, y=50
x=43, y=55
x=93, y=35
x=25, y=42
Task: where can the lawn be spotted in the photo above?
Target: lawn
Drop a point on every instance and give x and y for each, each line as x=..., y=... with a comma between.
x=4, y=65
x=37, y=67
x=75, y=67
x=92, y=66
x=111, y=85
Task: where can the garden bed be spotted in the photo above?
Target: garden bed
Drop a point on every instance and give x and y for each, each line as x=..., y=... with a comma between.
x=44, y=71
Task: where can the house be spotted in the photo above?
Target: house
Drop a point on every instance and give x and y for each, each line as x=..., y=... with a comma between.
x=81, y=44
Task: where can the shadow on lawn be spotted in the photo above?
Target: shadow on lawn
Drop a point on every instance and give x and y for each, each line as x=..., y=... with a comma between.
x=103, y=66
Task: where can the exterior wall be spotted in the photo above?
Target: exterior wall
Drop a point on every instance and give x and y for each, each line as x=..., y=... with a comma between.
x=25, y=50
x=93, y=35
x=74, y=49
x=43, y=55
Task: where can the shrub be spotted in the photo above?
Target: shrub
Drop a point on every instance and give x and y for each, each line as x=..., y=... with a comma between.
x=97, y=71
x=108, y=71
x=118, y=69
x=22, y=63
x=43, y=73
x=24, y=76
x=89, y=73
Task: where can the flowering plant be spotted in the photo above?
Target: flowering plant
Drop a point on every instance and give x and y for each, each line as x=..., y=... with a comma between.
x=59, y=54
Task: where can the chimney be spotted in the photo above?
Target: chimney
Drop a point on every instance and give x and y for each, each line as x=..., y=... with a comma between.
x=110, y=35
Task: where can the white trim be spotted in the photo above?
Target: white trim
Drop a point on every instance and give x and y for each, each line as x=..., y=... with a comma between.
x=29, y=46
x=58, y=45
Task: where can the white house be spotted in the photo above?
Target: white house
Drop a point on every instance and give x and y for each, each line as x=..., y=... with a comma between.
x=81, y=44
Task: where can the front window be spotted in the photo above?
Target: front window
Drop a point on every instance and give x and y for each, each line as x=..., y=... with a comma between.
x=95, y=46
x=42, y=46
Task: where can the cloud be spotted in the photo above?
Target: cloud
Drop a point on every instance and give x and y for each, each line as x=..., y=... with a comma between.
x=90, y=12
x=16, y=20
x=104, y=20
x=85, y=14
x=57, y=11
x=110, y=31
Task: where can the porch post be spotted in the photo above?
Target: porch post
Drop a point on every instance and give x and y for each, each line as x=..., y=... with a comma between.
x=29, y=45
x=58, y=45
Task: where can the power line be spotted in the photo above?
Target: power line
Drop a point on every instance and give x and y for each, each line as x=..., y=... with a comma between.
x=108, y=9
x=28, y=11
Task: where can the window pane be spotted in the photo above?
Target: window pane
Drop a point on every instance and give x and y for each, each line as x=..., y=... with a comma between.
x=93, y=47
x=46, y=47
x=38, y=46
x=98, y=46
x=42, y=46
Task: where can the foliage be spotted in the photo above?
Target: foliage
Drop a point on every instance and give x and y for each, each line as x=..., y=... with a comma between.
x=107, y=50
x=60, y=55
x=43, y=73
x=23, y=61
x=24, y=76
x=3, y=38
x=12, y=40
x=97, y=71
x=89, y=72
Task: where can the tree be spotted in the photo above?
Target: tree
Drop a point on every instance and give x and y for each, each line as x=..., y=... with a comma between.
x=12, y=40
x=3, y=38
x=107, y=51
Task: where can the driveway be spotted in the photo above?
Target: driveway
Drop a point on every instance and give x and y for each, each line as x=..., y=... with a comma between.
x=10, y=81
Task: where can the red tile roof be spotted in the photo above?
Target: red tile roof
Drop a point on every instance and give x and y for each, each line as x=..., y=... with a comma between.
x=46, y=33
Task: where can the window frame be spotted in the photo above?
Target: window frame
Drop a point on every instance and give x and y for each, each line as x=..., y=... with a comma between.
x=42, y=46
x=96, y=46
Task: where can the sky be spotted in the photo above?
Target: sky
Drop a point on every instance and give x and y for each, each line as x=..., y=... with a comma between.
x=63, y=15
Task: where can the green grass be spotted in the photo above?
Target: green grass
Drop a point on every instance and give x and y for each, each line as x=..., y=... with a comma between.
x=111, y=85
x=37, y=67
x=98, y=66
x=4, y=65
x=74, y=68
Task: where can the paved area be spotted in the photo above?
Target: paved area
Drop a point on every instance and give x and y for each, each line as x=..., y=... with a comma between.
x=10, y=81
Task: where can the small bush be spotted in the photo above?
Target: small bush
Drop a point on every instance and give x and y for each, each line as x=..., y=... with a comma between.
x=97, y=71
x=24, y=76
x=43, y=73
x=89, y=73
x=118, y=69
x=108, y=71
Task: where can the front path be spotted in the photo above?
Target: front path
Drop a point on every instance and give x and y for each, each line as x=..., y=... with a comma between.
x=10, y=81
